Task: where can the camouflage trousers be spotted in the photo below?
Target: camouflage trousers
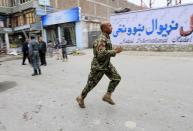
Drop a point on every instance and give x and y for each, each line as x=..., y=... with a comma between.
x=96, y=75
x=35, y=60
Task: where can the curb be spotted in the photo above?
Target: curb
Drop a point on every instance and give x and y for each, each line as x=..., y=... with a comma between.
x=9, y=58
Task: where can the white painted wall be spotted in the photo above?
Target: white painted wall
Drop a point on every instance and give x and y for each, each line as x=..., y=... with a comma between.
x=81, y=34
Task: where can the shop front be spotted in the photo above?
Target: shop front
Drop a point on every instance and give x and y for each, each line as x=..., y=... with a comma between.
x=65, y=24
x=19, y=35
x=22, y=32
x=2, y=34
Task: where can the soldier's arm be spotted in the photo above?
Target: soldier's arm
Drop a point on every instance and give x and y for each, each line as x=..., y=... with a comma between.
x=102, y=52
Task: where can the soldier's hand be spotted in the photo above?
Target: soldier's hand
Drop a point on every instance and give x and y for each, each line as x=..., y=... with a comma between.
x=118, y=49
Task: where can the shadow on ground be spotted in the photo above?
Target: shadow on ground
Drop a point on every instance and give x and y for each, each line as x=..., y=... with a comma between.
x=6, y=85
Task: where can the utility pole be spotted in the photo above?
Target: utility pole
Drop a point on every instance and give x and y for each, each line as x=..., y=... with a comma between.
x=78, y=3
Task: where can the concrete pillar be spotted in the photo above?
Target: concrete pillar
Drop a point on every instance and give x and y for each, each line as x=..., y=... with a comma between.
x=44, y=35
x=7, y=42
x=56, y=4
x=43, y=30
x=59, y=33
x=78, y=3
x=79, y=36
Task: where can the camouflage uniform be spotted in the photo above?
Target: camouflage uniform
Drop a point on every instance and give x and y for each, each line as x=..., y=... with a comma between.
x=102, y=50
x=34, y=53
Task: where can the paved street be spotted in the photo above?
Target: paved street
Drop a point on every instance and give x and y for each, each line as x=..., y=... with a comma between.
x=155, y=94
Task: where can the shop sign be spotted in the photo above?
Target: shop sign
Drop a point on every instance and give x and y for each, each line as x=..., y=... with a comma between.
x=71, y=15
x=168, y=25
x=40, y=11
x=21, y=27
x=8, y=29
x=36, y=26
x=45, y=10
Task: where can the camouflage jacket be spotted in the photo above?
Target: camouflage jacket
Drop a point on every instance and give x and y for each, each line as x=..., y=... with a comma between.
x=102, y=50
x=33, y=46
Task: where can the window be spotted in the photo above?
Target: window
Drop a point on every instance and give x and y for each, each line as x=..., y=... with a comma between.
x=20, y=20
x=17, y=21
x=29, y=18
x=23, y=1
x=4, y=3
x=14, y=21
x=14, y=2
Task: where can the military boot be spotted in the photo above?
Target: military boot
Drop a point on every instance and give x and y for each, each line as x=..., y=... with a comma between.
x=107, y=98
x=35, y=72
x=80, y=101
x=39, y=71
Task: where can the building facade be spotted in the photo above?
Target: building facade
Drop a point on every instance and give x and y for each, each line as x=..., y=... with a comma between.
x=20, y=18
x=81, y=33
x=95, y=9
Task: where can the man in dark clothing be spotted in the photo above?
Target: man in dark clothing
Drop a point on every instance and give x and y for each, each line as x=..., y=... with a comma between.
x=25, y=51
x=42, y=51
x=57, y=44
x=103, y=51
x=57, y=48
x=64, y=50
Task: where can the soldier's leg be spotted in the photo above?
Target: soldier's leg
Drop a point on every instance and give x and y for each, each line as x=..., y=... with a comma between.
x=93, y=79
x=35, y=64
x=38, y=64
x=114, y=76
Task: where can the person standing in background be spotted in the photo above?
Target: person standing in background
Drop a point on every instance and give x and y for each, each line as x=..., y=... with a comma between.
x=42, y=51
x=64, y=50
x=57, y=48
x=25, y=51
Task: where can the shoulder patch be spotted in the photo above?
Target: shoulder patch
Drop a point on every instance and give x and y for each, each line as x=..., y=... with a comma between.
x=100, y=46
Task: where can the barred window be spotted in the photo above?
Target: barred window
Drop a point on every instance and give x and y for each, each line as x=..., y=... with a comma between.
x=4, y=3
x=14, y=2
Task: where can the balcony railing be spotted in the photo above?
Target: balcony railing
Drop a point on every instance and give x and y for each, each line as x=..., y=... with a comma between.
x=19, y=7
x=24, y=6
